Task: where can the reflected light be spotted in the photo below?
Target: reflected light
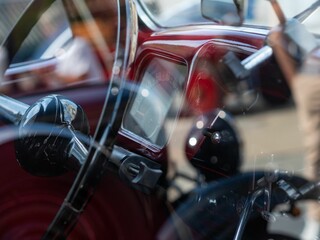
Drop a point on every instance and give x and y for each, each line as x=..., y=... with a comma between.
x=222, y=114
x=145, y=92
x=114, y=91
x=192, y=141
x=200, y=124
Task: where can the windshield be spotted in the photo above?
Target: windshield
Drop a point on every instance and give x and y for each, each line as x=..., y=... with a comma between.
x=185, y=12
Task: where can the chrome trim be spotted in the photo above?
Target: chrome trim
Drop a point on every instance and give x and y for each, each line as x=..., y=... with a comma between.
x=12, y=110
x=143, y=15
x=78, y=150
x=258, y=57
x=247, y=211
x=29, y=66
x=134, y=30
x=206, y=26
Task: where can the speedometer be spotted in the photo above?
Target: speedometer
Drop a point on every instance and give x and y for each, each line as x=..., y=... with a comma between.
x=161, y=82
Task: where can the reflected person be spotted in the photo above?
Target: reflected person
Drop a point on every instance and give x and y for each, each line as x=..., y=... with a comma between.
x=304, y=82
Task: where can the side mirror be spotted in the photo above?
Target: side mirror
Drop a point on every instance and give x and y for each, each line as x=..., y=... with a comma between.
x=225, y=12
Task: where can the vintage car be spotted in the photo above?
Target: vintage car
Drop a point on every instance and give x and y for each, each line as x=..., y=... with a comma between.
x=52, y=34
x=113, y=112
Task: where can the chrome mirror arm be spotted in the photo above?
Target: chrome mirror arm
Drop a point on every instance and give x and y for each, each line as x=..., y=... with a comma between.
x=11, y=109
x=77, y=150
x=245, y=215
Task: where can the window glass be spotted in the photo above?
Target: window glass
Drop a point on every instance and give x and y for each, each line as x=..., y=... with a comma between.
x=61, y=50
x=312, y=22
x=184, y=12
x=180, y=12
x=10, y=11
x=47, y=37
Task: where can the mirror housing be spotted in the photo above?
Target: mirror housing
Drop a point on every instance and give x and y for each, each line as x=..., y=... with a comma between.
x=47, y=132
x=224, y=12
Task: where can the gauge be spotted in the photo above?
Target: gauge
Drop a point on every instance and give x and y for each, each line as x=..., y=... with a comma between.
x=161, y=82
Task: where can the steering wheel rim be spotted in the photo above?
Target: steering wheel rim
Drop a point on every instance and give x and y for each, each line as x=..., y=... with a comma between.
x=94, y=167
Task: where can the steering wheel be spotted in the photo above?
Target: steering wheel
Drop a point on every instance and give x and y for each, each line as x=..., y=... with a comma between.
x=57, y=130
